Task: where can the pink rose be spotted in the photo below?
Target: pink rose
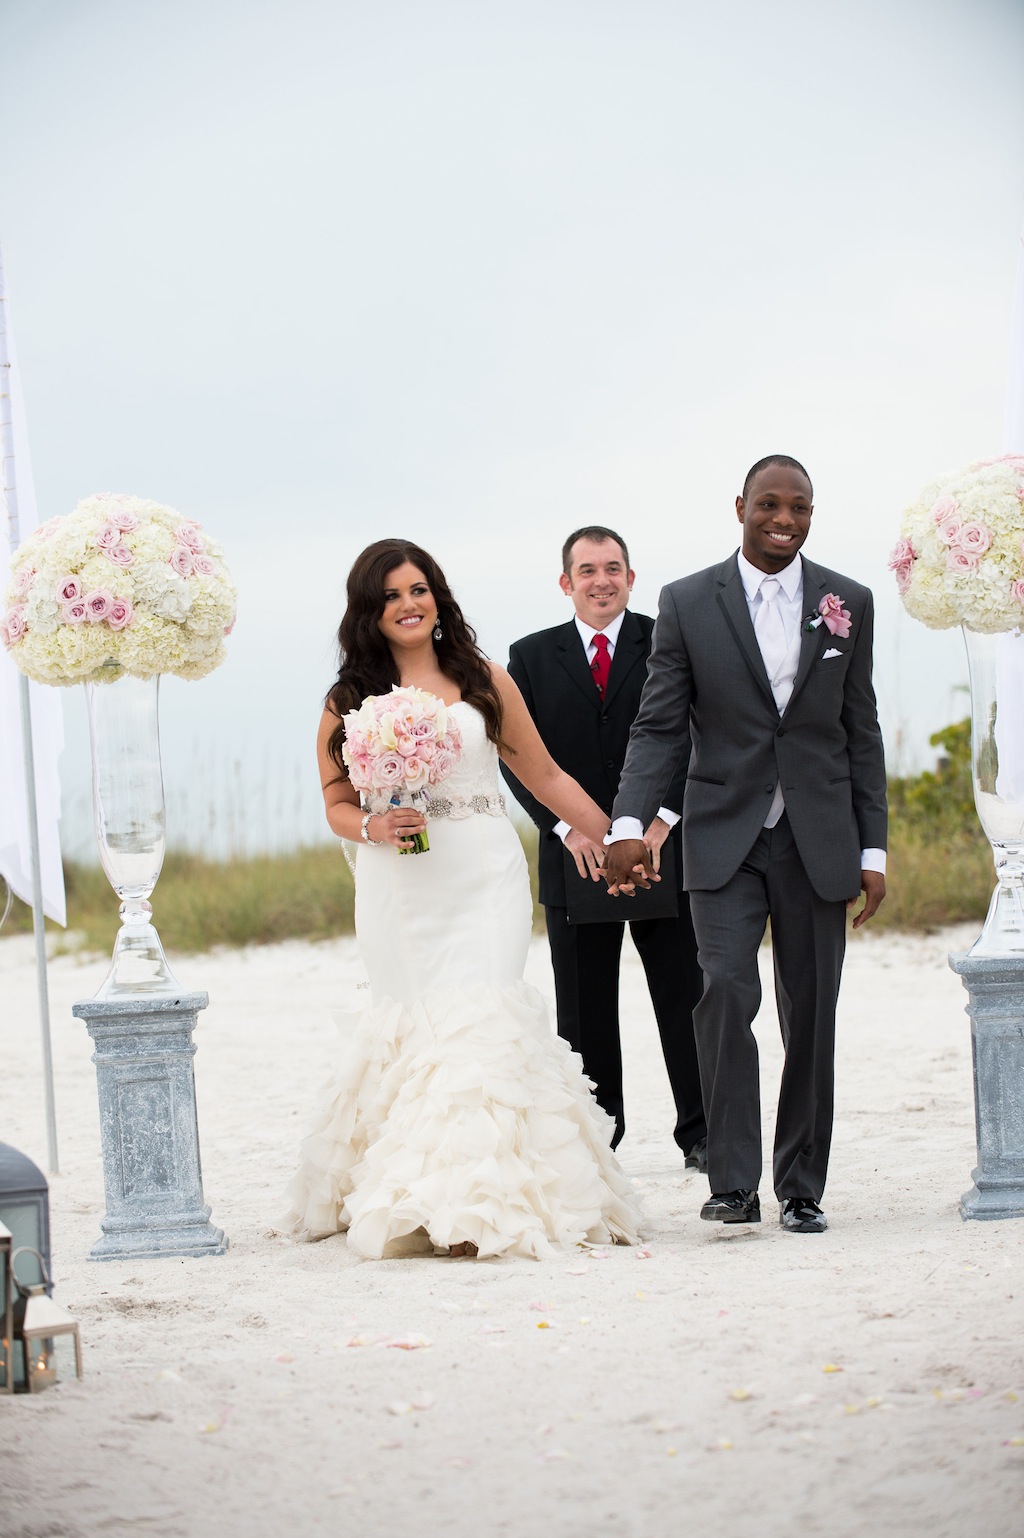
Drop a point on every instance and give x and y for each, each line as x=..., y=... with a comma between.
x=836, y=618
x=406, y=745
x=444, y=763
x=388, y=771
x=23, y=580
x=183, y=561
x=1017, y=591
x=961, y=560
x=901, y=562
x=944, y=509
x=423, y=731
x=949, y=529
x=190, y=536
x=108, y=537
x=417, y=774
x=48, y=529
x=121, y=614
x=203, y=566
x=120, y=555
x=974, y=538
x=230, y=625
x=68, y=590
x=73, y=613
x=97, y=605
x=125, y=520
x=13, y=625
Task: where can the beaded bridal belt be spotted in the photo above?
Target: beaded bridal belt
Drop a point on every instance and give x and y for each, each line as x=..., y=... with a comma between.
x=441, y=806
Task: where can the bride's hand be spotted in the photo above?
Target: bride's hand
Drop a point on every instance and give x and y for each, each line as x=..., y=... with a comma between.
x=396, y=826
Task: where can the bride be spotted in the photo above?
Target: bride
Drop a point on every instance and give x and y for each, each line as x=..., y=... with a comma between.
x=457, y=1120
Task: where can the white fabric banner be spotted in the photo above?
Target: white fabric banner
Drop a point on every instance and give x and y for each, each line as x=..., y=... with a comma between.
x=47, y=716
x=1009, y=728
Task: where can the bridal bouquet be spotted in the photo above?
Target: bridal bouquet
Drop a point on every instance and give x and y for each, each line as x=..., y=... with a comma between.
x=121, y=585
x=960, y=556
x=398, y=744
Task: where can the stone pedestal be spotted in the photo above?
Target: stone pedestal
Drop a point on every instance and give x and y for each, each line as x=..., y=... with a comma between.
x=995, y=990
x=148, y=1127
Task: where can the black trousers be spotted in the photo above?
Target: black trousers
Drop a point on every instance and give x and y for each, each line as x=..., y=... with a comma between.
x=585, y=961
x=808, y=944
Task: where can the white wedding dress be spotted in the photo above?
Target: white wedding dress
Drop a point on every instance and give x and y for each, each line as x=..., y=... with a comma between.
x=456, y=1114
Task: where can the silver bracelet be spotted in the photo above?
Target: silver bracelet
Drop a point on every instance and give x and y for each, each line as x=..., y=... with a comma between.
x=364, y=830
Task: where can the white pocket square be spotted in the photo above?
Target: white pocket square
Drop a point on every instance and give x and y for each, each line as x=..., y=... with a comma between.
x=832, y=652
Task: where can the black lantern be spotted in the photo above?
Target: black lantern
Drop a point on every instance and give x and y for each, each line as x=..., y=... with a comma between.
x=6, y=1314
x=25, y=1212
x=41, y=1330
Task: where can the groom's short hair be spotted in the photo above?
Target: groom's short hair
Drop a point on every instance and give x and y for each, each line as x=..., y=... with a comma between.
x=597, y=533
x=774, y=459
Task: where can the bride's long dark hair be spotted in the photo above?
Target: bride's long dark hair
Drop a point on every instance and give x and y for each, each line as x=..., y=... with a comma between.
x=365, y=663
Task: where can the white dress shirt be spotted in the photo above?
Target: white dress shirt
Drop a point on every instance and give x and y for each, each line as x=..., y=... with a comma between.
x=611, y=632
x=790, y=607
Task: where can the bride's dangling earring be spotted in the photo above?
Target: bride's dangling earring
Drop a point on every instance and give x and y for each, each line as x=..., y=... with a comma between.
x=437, y=631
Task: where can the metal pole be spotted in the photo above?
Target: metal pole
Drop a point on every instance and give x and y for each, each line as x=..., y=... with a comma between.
x=10, y=495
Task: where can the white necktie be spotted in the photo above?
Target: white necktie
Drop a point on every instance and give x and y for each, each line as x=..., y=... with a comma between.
x=780, y=661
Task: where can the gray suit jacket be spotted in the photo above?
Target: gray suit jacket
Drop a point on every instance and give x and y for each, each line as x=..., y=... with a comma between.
x=706, y=673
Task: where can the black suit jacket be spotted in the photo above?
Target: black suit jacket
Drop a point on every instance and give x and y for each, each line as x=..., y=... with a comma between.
x=585, y=735
x=707, y=682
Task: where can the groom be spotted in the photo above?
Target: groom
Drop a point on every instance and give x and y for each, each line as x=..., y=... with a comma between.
x=766, y=660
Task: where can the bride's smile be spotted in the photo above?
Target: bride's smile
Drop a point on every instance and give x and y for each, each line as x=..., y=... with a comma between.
x=410, y=611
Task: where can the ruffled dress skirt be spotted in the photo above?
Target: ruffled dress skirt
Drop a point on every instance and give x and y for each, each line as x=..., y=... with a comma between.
x=456, y=1114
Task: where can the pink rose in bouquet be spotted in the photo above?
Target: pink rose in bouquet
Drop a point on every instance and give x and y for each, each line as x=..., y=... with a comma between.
x=402, y=742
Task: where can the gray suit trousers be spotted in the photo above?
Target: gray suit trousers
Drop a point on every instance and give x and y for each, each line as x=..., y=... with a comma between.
x=808, y=942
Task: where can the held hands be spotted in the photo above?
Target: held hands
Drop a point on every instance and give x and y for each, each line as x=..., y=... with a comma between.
x=629, y=863
x=872, y=884
x=396, y=826
x=589, y=856
x=655, y=836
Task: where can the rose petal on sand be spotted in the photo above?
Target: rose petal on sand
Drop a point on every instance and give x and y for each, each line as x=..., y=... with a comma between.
x=670, y=1452
x=408, y=1342
x=492, y=1329
x=1014, y=1442
x=643, y=1253
x=584, y=1319
x=284, y=1356
x=805, y=1399
x=723, y=1445
x=459, y=1463
x=831, y=1367
x=554, y=1455
x=399, y=1407
x=539, y=1306
x=740, y=1393
x=576, y=1271
x=546, y=1324
x=424, y=1402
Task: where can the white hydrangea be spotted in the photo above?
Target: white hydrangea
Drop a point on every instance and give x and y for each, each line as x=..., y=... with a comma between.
x=121, y=585
x=960, y=556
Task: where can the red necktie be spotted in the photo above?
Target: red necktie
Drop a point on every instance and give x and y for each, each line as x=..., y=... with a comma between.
x=602, y=663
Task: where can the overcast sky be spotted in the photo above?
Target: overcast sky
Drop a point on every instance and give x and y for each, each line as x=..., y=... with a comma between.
x=475, y=273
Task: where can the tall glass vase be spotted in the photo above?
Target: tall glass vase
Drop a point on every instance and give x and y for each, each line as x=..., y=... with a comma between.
x=996, y=665
x=128, y=804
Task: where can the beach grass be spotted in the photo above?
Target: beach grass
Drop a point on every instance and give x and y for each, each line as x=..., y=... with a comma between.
x=940, y=872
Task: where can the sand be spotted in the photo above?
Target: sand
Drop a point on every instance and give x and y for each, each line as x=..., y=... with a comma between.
x=745, y=1383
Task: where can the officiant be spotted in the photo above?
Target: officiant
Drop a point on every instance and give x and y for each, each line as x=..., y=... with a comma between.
x=582, y=682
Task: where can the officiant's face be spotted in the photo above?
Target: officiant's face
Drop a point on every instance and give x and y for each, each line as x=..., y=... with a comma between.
x=598, y=581
x=410, y=612
x=776, y=516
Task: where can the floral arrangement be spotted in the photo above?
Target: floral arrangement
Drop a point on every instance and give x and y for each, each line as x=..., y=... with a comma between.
x=398, y=744
x=832, y=615
x=121, y=585
x=960, y=556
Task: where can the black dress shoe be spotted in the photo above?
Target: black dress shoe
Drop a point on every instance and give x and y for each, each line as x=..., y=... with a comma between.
x=697, y=1158
x=801, y=1215
x=732, y=1207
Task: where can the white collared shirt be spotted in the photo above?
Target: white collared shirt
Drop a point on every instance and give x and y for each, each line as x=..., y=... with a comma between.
x=587, y=634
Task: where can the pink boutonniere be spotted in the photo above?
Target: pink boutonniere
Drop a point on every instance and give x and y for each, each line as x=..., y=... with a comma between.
x=832, y=615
